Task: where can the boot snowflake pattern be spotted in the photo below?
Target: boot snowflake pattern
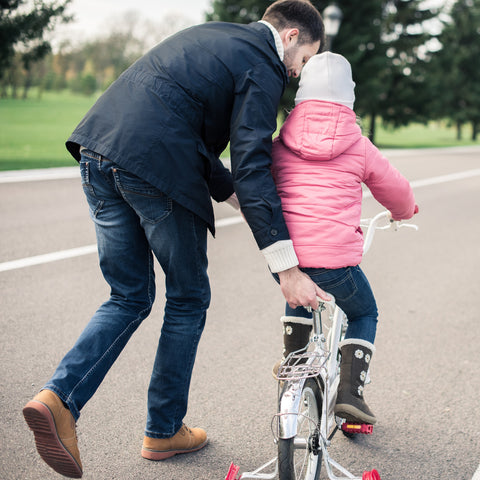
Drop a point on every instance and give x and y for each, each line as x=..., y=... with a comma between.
x=354, y=365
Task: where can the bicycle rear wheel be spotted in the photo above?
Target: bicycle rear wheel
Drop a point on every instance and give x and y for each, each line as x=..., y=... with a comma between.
x=297, y=459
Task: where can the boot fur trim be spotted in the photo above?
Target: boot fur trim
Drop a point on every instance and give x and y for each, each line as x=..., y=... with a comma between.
x=357, y=341
x=301, y=320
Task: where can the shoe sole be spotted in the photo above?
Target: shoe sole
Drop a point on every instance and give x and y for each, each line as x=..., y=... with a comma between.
x=156, y=455
x=49, y=446
x=352, y=414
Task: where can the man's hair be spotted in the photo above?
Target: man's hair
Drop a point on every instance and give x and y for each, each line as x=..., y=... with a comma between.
x=299, y=14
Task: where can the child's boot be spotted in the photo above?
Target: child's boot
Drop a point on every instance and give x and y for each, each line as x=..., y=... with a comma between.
x=296, y=334
x=354, y=365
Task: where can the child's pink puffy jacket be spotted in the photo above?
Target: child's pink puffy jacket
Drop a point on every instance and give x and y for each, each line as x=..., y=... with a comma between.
x=320, y=161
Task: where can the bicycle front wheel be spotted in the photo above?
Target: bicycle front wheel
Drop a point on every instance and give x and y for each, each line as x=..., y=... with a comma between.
x=298, y=459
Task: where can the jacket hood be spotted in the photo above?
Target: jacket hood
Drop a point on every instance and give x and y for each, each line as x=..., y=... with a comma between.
x=319, y=130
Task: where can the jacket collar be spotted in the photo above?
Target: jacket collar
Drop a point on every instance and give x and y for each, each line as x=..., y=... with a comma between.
x=276, y=36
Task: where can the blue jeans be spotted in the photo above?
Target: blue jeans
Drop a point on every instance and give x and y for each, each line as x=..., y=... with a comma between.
x=132, y=220
x=353, y=295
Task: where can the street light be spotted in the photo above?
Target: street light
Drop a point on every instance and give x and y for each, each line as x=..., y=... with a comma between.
x=332, y=18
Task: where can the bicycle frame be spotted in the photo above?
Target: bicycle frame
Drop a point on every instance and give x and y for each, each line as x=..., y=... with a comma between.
x=290, y=400
x=322, y=363
x=327, y=373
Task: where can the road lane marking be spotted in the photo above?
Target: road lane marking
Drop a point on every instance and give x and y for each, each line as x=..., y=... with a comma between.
x=437, y=180
x=446, y=178
x=77, y=252
x=39, y=174
x=223, y=222
x=46, y=258
x=476, y=475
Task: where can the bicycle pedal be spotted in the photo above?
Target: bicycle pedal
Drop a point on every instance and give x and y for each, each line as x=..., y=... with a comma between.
x=351, y=427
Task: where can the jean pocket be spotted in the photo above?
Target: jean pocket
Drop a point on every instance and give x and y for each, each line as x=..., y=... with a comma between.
x=339, y=282
x=150, y=203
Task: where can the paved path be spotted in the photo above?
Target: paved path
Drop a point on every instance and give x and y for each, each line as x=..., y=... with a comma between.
x=425, y=372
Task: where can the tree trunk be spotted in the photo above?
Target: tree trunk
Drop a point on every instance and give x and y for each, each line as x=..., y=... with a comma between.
x=474, y=131
x=459, y=130
x=371, y=131
x=27, y=85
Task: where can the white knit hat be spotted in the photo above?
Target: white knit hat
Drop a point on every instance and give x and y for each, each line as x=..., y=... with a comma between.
x=327, y=76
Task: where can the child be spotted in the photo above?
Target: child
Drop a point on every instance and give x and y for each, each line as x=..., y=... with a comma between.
x=320, y=161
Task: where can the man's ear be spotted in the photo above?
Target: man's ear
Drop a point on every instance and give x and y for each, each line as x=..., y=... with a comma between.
x=289, y=36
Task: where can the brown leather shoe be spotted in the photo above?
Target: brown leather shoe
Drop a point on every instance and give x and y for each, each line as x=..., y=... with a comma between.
x=186, y=440
x=54, y=428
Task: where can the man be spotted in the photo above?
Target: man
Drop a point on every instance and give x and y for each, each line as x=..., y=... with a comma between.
x=148, y=152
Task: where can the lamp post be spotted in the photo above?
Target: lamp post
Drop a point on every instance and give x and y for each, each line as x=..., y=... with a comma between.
x=332, y=18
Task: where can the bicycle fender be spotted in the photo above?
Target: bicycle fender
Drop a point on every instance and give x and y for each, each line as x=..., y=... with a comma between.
x=289, y=406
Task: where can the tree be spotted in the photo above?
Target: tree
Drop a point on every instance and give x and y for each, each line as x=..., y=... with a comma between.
x=22, y=29
x=455, y=77
x=387, y=44
x=359, y=40
x=244, y=11
x=384, y=42
x=408, y=38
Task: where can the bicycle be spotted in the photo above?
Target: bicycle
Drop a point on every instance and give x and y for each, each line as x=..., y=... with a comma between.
x=305, y=423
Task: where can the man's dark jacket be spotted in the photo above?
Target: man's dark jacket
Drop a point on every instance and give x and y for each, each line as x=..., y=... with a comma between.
x=168, y=117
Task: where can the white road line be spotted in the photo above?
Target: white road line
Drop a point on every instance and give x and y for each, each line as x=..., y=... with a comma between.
x=223, y=222
x=476, y=475
x=39, y=174
x=77, y=252
x=46, y=258
x=446, y=178
x=440, y=179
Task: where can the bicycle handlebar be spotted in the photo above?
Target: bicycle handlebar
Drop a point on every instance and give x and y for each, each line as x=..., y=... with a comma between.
x=372, y=225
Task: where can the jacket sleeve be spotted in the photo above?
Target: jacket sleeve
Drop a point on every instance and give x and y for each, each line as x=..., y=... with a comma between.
x=252, y=125
x=387, y=184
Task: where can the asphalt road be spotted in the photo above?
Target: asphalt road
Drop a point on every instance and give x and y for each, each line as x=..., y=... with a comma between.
x=425, y=373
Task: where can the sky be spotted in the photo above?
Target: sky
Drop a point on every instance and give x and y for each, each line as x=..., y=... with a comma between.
x=94, y=16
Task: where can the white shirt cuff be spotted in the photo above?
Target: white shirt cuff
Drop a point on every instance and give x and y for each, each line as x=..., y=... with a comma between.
x=280, y=256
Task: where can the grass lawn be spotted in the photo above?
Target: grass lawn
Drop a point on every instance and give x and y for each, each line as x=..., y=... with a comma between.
x=33, y=131
x=435, y=134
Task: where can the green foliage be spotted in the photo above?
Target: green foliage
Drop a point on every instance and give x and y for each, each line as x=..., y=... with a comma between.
x=455, y=75
x=84, y=84
x=33, y=132
x=408, y=97
x=103, y=58
x=25, y=29
x=245, y=11
x=386, y=43
x=360, y=40
x=399, y=77
x=383, y=41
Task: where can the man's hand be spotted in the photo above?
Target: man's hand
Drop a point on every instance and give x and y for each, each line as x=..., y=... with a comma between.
x=299, y=289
